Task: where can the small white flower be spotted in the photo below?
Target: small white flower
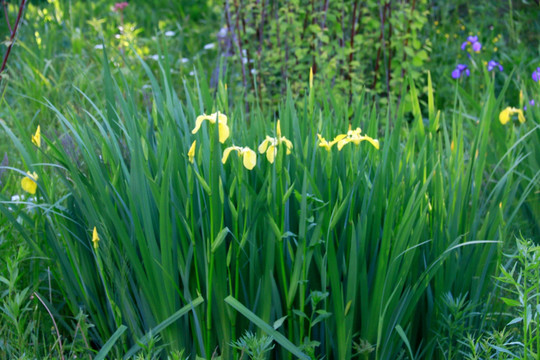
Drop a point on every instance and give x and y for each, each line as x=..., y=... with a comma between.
x=209, y=46
x=184, y=60
x=254, y=71
x=191, y=73
x=170, y=33
x=16, y=198
x=98, y=46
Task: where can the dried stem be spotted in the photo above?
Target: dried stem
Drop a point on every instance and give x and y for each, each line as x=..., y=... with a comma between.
x=382, y=14
x=349, y=76
x=4, y=4
x=239, y=42
x=406, y=41
x=12, y=37
x=389, y=48
x=54, y=323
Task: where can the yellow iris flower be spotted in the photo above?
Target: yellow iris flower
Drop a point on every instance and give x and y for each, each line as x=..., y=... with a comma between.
x=352, y=136
x=505, y=115
x=328, y=145
x=355, y=137
x=270, y=144
x=221, y=120
x=191, y=152
x=95, y=238
x=248, y=156
x=28, y=183
x=36, y=138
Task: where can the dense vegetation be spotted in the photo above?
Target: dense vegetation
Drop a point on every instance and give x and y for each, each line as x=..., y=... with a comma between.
x=270, y=179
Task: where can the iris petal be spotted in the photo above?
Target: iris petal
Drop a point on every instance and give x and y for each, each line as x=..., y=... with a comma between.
x=264, y=145
x=226, y=153
x=223, y=132
x=271, y=153
x=250, y=159
x=504, y=116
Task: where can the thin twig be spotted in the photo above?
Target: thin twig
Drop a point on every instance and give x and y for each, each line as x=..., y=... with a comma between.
x=239, y=42
x=54, y=323
x=4, y=4
x=406, y=41
x=389, y=48
x=382, y=14
x=352, y=49
x=12, y=37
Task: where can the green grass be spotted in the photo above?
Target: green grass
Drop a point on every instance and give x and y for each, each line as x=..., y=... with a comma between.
x=337, y=254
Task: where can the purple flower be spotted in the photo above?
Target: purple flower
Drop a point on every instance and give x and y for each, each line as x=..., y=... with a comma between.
x=536, y=75
x=532, y=102
x=460, y=70
x=492, y=64
x=473, y=41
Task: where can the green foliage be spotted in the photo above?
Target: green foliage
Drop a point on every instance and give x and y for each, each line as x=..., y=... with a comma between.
x=358, y=253
x=353, y=45
x=381, y=231
x=255, y=347
x=518, y=337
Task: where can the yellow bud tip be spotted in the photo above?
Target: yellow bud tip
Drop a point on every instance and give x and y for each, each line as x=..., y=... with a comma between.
x=191, y=152
x=95, y=238
x=310, y=77
x=36, y=138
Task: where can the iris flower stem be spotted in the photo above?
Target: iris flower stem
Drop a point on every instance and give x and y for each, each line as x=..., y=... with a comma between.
x=525, y=325
x=210, y=254
x=194, y=244
x=236, y=265
x=281, y=216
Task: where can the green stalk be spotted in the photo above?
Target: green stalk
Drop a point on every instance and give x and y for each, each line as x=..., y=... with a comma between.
x=525, y=302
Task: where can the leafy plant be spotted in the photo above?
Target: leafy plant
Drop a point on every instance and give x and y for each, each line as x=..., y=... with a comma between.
x=350, y=45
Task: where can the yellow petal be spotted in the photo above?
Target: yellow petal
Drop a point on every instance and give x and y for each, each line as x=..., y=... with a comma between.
x=504, y=116
x=250, y=158
x=36, y=138
x=223, y=132
x=95, y=238
x=310, y=77
x=288, y=144
x=373, y=142
x=341, y=143
x=271, y=153
x=278, y=130
x=191, y=152
x=29, y=184
x=198, y=123
x=221, y=118
x=323, y=143
x=226, y=153
x=521, y=118
x=264, y=145
x=339, y=137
